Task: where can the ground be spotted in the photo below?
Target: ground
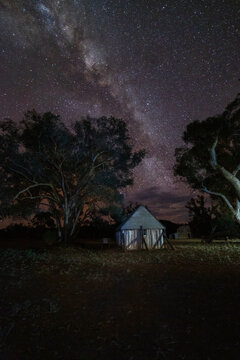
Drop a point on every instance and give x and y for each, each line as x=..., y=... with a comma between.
x=68, y=303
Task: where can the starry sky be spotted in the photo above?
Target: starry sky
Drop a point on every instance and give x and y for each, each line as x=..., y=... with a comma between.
x=157, y=64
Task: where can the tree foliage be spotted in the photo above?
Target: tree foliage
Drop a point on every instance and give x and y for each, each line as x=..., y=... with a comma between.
x=211, y=221
x=210, y=159
x=68, y=170
x=200, y=216
x=43, y=219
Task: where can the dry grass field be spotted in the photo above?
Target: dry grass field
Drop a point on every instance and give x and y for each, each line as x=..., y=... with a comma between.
x=70, y=303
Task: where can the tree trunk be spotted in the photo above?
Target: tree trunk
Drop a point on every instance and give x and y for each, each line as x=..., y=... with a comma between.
x=66, y=226
x=237, y=212
x=231, y=178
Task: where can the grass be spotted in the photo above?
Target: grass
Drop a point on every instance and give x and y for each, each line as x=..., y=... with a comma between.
x=77, y=257
x=70, y=303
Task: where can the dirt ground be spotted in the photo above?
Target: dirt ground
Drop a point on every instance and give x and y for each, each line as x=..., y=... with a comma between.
x=79, y=304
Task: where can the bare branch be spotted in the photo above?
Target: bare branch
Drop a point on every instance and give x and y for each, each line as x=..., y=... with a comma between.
x=231, y=177
x=23, y=175
x=19, y=165
x=39, y=197
x=103, y=162
x=30, y=187
x=206, y=190
x=96, y=156
x=75, y=221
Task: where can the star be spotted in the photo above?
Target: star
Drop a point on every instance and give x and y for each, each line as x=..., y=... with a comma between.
x=157, y=65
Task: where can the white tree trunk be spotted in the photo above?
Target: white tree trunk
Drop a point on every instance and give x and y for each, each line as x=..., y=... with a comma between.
x=231, y=178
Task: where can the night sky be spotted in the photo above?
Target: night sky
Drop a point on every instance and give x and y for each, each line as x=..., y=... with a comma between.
x=157, y=64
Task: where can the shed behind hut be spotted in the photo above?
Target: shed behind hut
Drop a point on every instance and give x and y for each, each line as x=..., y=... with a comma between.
x=184, y=232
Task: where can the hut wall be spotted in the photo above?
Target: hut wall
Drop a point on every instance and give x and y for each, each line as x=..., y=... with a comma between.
x=132, y=240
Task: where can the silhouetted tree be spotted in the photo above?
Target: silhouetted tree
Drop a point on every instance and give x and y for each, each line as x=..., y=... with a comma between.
x=200, y=217
x=68, y=170
x=210, y=160
x=43, y=219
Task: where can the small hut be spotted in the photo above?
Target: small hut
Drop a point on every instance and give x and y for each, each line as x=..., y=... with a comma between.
x=141, y=230
x=184, y=232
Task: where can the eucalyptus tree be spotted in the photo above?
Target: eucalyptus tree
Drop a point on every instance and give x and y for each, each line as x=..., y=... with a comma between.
x=68, y=169
x=200, y=216
x=210, y=159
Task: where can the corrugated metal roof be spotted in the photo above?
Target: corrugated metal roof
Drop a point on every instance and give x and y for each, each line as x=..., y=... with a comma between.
x=141, y=217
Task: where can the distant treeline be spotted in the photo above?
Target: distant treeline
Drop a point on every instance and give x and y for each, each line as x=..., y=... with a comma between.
x=99, y=229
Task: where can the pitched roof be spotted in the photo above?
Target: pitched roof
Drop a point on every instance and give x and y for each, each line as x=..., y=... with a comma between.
x=141, y=217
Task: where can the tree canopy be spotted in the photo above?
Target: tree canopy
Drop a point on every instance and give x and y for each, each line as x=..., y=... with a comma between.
x=210, y=159
x=69, y=170
x=211, y=220
x=200, y=216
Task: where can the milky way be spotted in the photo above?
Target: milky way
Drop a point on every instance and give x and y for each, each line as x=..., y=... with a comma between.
x=156, y=64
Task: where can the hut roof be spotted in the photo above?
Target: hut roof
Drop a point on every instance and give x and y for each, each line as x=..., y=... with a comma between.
x=141, y=217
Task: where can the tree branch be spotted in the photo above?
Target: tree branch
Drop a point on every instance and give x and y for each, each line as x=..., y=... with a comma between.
x=30, y=187
x=236, y=170
x=20, y=173
x=21, y=166
x=225, y=199
x=96, y=156
x=231, y=177
x=39, y=197
x=75, y=221
x=213, y=154
x=103, y=162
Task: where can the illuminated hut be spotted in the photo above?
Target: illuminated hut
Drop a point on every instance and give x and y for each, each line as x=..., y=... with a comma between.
x=141, y=230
